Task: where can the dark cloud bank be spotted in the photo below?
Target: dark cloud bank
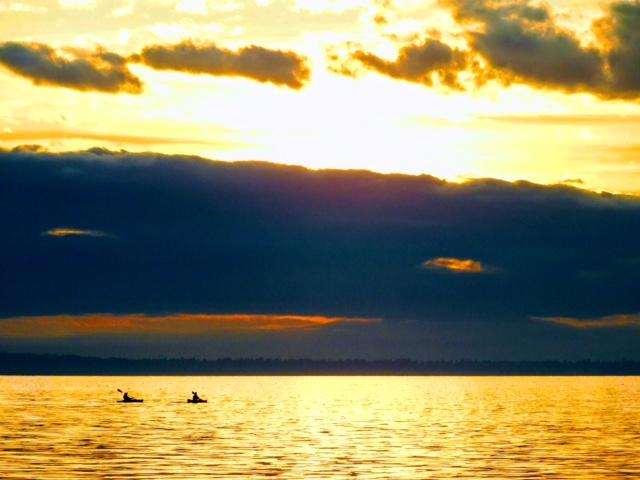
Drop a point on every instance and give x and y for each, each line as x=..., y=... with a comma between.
x=191, y=235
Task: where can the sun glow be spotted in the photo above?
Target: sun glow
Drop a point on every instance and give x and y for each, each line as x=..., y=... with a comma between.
x=364, y=121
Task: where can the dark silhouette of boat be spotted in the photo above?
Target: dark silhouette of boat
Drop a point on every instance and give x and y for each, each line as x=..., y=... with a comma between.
x=127, y=399
x=196, y=399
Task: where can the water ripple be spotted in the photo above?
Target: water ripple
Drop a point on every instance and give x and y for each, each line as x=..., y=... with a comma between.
x=320, y=427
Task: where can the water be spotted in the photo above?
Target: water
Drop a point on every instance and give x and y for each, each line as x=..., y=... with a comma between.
x=321, y=427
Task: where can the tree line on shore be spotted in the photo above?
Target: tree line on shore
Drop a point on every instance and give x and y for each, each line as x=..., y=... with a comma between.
x=38, y=364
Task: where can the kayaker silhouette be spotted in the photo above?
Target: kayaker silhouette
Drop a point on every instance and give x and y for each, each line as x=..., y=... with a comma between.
x=126, y=398
x=196, y=398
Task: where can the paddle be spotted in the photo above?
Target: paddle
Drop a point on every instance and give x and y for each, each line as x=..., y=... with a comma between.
x=125, y=399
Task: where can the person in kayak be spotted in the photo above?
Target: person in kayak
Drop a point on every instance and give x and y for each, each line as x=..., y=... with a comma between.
x=196, y=398
x=127, y=398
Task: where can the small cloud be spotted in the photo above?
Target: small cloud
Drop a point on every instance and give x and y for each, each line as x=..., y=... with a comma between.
x=609, y=321
x=172, y=324
x=456, y=265
x=421, y=62
x=77, y=69
x=73, y=232
x=257, y=63
x=380, y=20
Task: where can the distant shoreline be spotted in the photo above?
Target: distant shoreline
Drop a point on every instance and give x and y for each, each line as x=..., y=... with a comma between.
x=43, y=364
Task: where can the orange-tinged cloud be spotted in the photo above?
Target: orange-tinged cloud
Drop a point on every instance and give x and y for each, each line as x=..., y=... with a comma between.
x=72, y=232
x=457, y=265
x=609, y=321
x=172, y=324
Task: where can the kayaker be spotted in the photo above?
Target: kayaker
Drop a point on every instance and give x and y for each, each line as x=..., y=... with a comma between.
x=196, y=398
x=127, y=398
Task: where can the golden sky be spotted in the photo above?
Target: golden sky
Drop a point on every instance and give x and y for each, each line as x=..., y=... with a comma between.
x=452, y=88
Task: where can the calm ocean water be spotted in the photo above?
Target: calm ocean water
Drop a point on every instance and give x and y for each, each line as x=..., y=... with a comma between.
x=320, y=427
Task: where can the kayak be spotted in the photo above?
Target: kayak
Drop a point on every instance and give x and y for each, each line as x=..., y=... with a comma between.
x=135, y=400
x=191, y=400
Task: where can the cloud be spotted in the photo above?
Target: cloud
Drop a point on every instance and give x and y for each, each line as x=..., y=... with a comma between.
x=522, y=42
x=515, y=41
x=619, y=34
x=257, y=63
x=609, y=321
x=418, y=63
x=100, y=70
x=455, y=265
x=196, y=235
x=73, y=232
x=172, y=324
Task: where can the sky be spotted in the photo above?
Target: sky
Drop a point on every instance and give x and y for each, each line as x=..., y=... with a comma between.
x=429, y=179
x=546, y=92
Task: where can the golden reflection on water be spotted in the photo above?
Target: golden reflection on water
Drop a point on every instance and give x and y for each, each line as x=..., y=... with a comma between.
x=321, y=427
